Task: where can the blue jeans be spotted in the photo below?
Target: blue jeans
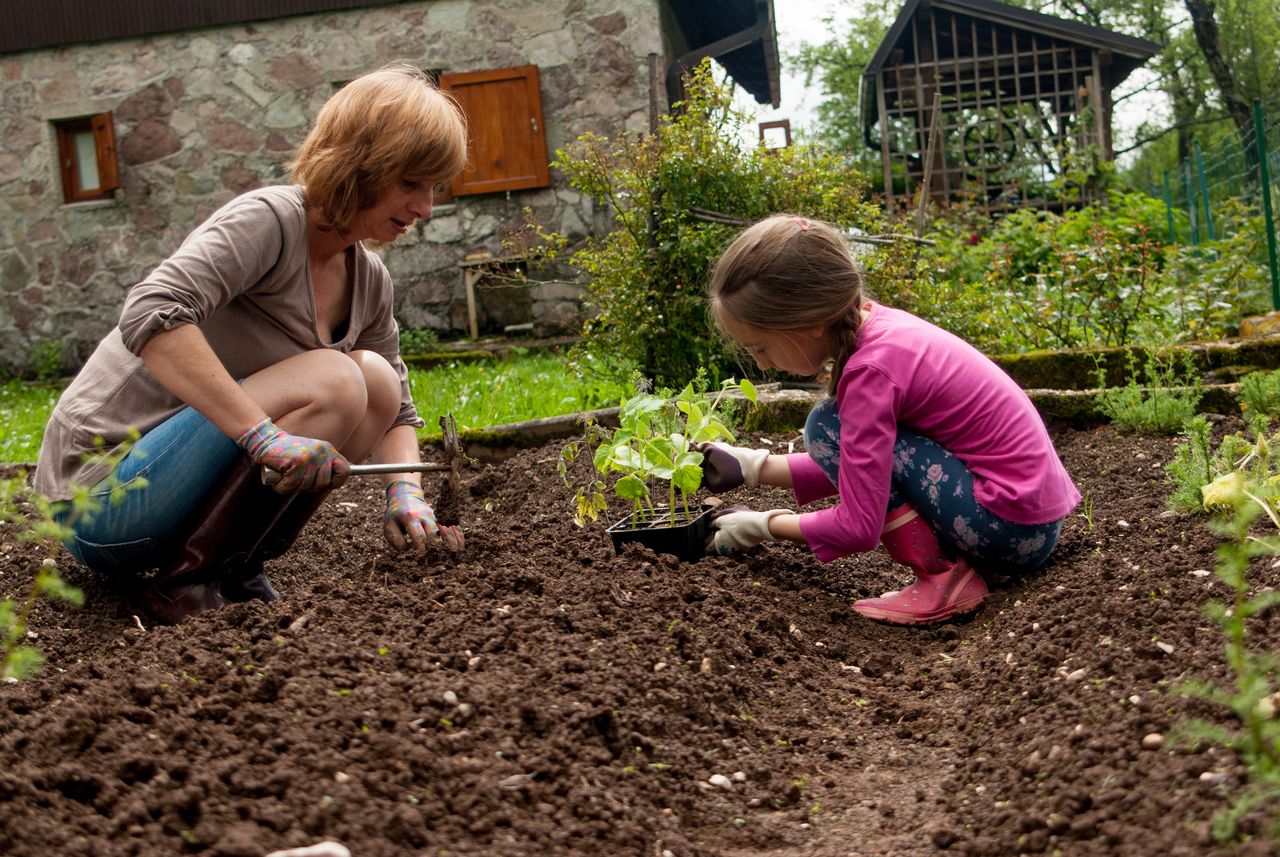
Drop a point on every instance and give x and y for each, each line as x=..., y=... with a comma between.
x=182, y=460
x=938, y=486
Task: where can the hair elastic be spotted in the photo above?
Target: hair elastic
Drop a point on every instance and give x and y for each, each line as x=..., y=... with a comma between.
x=802, y=222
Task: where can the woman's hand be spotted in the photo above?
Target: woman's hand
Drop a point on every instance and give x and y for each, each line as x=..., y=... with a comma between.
x=304, y=463
x=410, y=520
x=727, y=467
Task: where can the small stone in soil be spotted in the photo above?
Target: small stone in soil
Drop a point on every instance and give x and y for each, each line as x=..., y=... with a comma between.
x=1152, y=741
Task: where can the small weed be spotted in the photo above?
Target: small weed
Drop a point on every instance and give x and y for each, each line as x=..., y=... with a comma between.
x=1260, y=394
x=1163, y=405
x=1253, y=698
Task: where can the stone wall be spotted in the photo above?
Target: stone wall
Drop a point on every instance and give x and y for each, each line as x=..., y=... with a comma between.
x=201, y=116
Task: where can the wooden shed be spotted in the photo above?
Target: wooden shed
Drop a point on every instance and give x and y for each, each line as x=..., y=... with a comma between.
x=1012, y=92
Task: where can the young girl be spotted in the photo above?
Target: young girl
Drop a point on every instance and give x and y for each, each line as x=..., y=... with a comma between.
x=934, y=451
x=267, y=339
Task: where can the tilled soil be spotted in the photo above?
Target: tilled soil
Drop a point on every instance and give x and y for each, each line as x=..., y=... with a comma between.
x=540, y=695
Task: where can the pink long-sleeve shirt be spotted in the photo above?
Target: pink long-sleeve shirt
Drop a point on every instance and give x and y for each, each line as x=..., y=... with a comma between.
x=907, y=371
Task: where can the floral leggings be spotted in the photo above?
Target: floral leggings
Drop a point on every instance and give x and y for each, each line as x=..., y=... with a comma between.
x=939, y=487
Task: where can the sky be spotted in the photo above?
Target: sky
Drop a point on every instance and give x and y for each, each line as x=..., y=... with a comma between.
x=799, y=21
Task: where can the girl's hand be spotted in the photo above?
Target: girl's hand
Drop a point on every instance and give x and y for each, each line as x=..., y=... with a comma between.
x=304, y=463
x=410, y=520
x=739, y=528
x=726, y=467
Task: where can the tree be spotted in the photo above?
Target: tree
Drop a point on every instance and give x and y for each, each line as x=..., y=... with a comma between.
x=677, y=196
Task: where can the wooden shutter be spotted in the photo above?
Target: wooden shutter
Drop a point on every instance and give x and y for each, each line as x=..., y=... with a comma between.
x=507, y=149
x=104, y=139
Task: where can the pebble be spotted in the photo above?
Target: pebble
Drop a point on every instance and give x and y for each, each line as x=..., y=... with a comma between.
x=1077, y=675
x=659, y=666
x=720, y=781
x=706, y=665
x=450, y=698
x=323, y=849
x=1200, y=572
x=1214, y=777
x=1167, y=648
x=342, y=777
x=1152, y=741
x=739, y=777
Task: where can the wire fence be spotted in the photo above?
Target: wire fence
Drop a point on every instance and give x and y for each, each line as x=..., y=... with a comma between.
x=1212, y=191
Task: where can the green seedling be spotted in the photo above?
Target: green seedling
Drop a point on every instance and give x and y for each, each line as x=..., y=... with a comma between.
x=653, y=438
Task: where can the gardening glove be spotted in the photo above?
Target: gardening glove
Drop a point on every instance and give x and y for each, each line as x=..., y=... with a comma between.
x=410, y=520
x=725, y=467
x=739, y=528
x=304, y=463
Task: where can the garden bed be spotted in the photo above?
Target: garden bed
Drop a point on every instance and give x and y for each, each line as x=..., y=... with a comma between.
x=540, y=695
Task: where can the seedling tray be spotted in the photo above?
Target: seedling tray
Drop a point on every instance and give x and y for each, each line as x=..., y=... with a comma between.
x=684, y=537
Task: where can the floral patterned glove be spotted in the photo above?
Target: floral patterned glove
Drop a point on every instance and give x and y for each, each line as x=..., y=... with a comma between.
x=410, y=520
x=304, y=463
x=739, y=528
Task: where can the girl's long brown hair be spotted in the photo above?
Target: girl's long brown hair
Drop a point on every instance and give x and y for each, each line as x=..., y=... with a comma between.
x=789, y=273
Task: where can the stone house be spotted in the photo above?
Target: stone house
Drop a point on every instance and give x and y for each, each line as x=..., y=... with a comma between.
x=125, y=124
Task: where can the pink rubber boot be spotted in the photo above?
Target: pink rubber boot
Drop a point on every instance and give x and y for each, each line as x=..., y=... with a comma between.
x=943, y=588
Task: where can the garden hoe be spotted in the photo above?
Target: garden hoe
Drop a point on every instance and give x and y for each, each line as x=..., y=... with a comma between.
x=447, y=506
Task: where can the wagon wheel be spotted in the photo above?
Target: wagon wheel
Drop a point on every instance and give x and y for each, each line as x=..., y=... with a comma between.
x=990, y=144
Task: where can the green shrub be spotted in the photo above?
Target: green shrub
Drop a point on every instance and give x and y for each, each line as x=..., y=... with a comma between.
x=646, y=277
x=46, y=360
x=1098, y=276
x=1260, y=394
x=1164, y=405
x=418, y=340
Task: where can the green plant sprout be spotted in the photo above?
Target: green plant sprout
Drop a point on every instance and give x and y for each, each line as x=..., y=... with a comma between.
x=1208, y=479
x=33, y=515
x=652, y=443
x=1252, y=699
x=1164, y=405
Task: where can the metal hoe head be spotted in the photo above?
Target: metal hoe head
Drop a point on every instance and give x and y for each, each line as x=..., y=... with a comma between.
x=452, y=467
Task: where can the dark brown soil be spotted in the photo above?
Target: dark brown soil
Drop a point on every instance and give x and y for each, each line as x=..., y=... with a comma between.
x=539, y=695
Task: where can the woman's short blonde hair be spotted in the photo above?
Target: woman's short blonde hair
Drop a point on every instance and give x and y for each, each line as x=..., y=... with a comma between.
x=377, y=129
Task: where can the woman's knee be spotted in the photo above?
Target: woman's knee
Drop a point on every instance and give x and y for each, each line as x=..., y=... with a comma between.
x=381, y=384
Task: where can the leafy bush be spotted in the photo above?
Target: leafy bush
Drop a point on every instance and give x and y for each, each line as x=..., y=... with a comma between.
x=419, y=340
x=646, y=277
x=1164, y=405
x=1098, y=276
x=1259, y=394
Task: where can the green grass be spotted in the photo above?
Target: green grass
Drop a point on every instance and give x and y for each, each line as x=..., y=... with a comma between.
x=24, y=409
x=523, y=387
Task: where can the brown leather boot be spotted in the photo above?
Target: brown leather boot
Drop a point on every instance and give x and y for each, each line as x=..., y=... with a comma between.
x=250, y=581
x=236, y=517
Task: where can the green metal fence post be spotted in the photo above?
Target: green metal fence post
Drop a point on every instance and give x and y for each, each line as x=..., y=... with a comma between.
x=1260, y=133
x=1204, y=191
x=1168, y=208
x=1193, y=207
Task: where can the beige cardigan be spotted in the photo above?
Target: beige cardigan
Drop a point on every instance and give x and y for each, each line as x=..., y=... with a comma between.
x=243, y=278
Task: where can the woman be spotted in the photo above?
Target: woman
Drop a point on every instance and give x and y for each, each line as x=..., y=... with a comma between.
x=266, y=340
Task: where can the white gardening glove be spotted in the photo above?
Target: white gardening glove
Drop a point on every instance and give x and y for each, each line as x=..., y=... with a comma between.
x=726, y=467
x=739, y=528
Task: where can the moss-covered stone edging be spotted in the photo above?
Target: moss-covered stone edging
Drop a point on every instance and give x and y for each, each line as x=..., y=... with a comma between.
x=1077, y=368
x=780, y=411
x=471, y=352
